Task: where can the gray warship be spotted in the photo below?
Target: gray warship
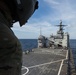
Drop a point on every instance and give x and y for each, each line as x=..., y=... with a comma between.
x=52, y=57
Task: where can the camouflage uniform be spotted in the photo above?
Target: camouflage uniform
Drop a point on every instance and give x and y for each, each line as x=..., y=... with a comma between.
x=10, y=48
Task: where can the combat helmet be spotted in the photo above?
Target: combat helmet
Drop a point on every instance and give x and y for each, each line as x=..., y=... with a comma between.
x=22, y=9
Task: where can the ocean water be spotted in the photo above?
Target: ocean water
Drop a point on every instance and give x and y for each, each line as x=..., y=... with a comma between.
x=73, y=47
x=29, y=44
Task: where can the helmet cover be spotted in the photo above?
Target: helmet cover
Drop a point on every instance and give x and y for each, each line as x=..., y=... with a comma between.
x=25, y=8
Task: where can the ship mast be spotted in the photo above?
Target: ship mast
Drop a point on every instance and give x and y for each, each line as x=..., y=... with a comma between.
x=61, y=27
x=60, y=31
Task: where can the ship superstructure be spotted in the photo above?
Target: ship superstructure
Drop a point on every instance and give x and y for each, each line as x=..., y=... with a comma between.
x=60, y=40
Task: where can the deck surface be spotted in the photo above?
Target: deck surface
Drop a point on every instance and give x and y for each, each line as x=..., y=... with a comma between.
x=45, y=61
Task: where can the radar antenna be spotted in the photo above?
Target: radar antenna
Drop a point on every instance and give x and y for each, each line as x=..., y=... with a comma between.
x=60, y=31
x=61, y=26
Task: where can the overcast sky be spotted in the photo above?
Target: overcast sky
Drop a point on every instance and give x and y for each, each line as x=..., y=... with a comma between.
x=49, y=14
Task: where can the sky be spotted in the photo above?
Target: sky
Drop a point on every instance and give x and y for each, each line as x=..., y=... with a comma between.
x=49, y=14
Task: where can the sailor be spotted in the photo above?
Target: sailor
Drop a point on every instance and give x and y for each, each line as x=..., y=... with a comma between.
x=12, y=11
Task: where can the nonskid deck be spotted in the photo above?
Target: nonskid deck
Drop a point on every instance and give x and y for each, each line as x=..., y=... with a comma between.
x=45, y=61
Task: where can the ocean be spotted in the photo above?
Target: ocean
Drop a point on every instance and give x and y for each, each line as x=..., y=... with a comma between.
x=29, y=44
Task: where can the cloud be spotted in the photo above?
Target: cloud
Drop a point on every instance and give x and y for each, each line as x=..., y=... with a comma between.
x=52, y=2
x=32, y=29
x=49, y=14
x=34, y=26
x=64, y=9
